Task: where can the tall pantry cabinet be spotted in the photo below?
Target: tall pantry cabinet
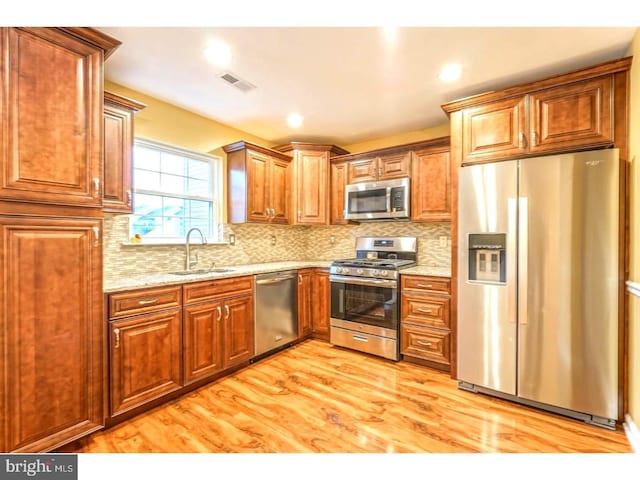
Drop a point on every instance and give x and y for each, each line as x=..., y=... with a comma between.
x=51, y=181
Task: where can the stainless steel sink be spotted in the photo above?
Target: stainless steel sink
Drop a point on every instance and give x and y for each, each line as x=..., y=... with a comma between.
x=201, y=271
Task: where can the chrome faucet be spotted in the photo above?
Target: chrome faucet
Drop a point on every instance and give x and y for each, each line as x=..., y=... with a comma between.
x=188, y=263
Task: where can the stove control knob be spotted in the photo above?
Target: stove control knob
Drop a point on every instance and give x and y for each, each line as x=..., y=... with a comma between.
x=341, y=270
x=359, y=271
x=375, y=273
x=384, y=273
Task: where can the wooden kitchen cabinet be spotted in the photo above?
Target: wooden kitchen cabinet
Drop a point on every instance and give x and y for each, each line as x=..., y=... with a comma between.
x=259, y=184
x=311, y=181
x=338, y=184
x=145, y=358
x=384, y=167
x=52, y=330
x=218, y=326
x=51, y=151
x=431, y=185
x=425, y=328
x=117, y=194
x=305, y=280
x=321, y=303
x=565, y=113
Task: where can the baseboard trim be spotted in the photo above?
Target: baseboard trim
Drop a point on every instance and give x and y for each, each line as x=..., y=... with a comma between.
x=633, y=434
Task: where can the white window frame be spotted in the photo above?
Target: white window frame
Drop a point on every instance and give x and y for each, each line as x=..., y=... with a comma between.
x=217, y=195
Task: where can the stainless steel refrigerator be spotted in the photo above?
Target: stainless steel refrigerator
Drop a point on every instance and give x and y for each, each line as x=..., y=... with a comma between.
x=538, y=282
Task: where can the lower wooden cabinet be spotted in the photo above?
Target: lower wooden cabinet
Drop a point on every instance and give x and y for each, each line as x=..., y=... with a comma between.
x=51, y=331
x=425, y=333
x=321, y=303
x=305, y=280
x=146, y=358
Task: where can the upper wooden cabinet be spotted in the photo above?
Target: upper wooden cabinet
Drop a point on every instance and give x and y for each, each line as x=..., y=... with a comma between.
x=259, y=184
x=569, y=112
x=311, y=199
x=118, y=115
x=51, y=140
x=431, y=185
x=338, y=182
x=385, y=167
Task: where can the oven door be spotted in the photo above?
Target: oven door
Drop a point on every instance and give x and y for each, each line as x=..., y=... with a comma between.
x=364, y=300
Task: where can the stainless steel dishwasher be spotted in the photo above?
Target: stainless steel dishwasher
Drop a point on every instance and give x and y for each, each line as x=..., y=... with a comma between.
x=276, y=310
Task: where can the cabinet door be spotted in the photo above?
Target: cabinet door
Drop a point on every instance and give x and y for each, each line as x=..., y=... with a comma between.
x=238, y=330
x=574, y=115
x=431, y=186
x=394, y=166
x=365, y=170
x=305, y=278
x=312, y=182
x=494, y=131
x=338, y=182
x=118, y=143
x=145, y=358
x=279, y=188
x=51, y=141
x=52, y=332
x=321, y=304
x=202, y=341
x=257, y=187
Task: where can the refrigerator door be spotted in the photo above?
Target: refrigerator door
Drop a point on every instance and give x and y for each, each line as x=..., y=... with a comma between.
x=568, y=281
x=486, y=308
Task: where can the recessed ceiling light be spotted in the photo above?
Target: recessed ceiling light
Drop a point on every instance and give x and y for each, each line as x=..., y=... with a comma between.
x=218, y=53
x=450, y=72
x=294, y=120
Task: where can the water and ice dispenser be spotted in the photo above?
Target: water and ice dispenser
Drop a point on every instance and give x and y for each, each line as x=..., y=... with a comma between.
x=487, y=257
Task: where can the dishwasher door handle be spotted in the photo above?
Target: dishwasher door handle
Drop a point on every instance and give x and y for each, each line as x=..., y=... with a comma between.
x=270, y=281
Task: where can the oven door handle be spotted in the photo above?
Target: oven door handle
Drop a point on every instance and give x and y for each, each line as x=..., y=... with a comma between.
x=367, y=282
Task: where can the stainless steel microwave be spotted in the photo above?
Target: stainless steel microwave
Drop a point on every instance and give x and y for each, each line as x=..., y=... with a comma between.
x=385, y=200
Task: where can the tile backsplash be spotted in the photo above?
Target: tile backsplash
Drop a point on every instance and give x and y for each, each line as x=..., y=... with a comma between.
x=257, y=243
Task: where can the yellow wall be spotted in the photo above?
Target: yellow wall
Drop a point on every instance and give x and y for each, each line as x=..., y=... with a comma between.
x=176, y=126
x=634, y=267
x=400, y=139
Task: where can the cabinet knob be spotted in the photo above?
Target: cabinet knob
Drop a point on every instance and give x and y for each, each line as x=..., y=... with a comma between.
x=534, y=138
x=521, y=140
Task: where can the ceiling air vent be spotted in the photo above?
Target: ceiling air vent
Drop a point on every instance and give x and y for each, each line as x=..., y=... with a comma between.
x=238, y=83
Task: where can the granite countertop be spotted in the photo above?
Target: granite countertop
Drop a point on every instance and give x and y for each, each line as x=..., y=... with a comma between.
x=427, y=271
x=161, y=279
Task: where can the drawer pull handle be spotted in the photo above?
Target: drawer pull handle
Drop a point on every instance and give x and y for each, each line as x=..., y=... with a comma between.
x=422, y=285
x=226, y=309
x=424, y=344
x=422, y=310
x=116, y=332
x=219, y=309
x=96, y=186
x=147, y=302
x=129, y=198
x=360, y=339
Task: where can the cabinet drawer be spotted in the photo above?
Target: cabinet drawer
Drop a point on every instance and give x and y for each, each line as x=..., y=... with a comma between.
x=143, y=301
x=421, y=283
x=426, y=310
x=425, y=343
x=215, y=289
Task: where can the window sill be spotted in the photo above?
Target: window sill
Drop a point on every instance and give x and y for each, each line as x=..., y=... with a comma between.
x=160, y=243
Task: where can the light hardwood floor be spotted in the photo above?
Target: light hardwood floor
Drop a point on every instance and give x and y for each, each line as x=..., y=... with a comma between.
x=318, y=398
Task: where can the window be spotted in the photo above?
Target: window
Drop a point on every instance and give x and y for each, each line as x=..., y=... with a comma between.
x=174, y=190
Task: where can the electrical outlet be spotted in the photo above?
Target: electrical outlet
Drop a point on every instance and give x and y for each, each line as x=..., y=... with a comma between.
x=273, y=239
x=443, y=241
x=232, y=239
x=332, y=240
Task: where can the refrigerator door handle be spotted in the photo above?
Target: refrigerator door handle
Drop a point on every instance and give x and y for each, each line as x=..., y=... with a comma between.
x=512, y=212
x=523, y=258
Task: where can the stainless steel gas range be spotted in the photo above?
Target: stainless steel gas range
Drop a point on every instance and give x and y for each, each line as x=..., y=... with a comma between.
x=365, y=306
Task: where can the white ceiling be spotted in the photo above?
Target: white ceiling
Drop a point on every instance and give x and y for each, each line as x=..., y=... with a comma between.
x=351, y=84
